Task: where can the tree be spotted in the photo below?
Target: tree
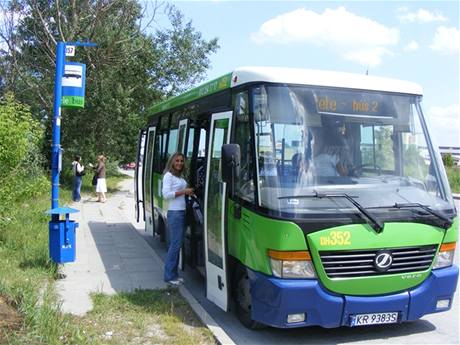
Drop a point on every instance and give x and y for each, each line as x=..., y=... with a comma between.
x=133, y=67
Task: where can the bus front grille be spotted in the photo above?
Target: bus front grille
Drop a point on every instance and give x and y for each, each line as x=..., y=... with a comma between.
x=359, y=263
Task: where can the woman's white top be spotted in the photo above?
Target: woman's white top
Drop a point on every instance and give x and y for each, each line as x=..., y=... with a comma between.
x=77, y=167
x=171, y=185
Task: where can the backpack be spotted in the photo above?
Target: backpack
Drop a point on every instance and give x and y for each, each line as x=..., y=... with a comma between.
x=79, y=173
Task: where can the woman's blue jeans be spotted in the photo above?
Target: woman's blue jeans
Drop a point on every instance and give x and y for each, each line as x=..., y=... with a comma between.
x=76, y=188
x=176, y=228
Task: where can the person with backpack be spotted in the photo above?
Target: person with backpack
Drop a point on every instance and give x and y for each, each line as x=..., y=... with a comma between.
x=78, y=173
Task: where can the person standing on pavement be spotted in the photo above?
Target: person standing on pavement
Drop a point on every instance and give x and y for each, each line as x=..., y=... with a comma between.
x=101, y=185
x=174, y=190
x=78, y=172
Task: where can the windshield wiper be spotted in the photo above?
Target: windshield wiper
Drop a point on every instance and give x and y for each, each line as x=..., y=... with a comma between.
x=446, y=222
x=371, y=220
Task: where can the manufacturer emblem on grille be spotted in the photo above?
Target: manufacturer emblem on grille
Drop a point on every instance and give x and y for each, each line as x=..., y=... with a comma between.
x=383, y=261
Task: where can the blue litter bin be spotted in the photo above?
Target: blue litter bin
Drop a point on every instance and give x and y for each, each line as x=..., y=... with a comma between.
x=62, y=236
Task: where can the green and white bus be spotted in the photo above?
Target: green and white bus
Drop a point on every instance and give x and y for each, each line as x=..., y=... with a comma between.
x=323, y=199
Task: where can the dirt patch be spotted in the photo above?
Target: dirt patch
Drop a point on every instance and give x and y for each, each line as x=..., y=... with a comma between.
x=10, y=319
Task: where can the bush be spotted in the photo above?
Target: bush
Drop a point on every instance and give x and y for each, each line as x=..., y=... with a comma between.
x=21, y=173
x=448, y=160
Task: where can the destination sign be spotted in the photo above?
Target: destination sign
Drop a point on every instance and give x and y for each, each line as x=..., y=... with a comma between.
x=354, y=103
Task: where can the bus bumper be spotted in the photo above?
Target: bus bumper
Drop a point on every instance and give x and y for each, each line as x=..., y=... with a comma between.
x=273, y=299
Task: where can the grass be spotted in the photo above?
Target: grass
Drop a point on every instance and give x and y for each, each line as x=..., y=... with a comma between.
x=144, y=317
x=27, y=283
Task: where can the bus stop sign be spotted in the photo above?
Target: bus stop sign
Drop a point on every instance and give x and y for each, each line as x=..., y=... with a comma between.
x=73, y=85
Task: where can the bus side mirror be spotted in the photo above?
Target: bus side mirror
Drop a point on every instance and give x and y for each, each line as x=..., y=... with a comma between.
x=230, y=164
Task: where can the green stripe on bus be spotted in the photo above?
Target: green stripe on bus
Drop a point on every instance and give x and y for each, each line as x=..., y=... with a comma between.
x=209, y=88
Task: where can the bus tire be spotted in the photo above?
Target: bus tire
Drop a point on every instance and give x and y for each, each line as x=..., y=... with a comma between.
x=243, y=300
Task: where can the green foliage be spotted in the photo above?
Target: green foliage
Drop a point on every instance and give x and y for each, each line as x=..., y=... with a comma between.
x=18, y=134
x=448, y=160
x=453, y=174
x=131, y=68
x=21, y=175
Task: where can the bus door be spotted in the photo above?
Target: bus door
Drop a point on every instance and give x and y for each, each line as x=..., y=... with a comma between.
x=214, y=212
x=181, y=146
x=181, y=140
x=148, y=180
x=139, y=171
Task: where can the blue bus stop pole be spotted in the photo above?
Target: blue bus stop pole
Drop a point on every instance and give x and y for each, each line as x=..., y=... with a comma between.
x=56, y=128
x=61, y=233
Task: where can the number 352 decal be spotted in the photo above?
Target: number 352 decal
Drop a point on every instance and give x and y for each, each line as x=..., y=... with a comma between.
x=336, y=238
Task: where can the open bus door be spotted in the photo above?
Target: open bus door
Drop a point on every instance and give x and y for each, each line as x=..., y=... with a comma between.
x=139, y=171
x=148, y=180
x=214, y=213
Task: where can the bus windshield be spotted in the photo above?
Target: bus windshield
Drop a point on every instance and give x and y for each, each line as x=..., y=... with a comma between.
x=373, y=146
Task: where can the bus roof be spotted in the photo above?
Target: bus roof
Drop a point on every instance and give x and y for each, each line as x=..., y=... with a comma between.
x=244, y=75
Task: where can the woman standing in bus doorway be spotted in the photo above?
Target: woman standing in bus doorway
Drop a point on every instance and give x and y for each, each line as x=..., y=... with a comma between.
x=174, y=190
x=101, y=185
x=78, y=172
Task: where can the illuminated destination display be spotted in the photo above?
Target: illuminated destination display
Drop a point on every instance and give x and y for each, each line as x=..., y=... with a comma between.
x=354, y=103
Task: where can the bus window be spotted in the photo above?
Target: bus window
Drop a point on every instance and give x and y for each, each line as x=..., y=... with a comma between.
x=157, y=153
x=191, y=137
x=418, y=163
x=202, y=144
x=377, y=149
x=189, y=150
x=164, y=125
x=148, y=169
x=172, y=143
x=245, y=182
x=201, y=165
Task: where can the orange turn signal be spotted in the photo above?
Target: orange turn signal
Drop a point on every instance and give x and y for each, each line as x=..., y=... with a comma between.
x=447, y=247
x=289, y=255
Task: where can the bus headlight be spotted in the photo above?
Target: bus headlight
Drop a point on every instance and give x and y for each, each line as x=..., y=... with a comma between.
x=445, y=256
x=291, y=264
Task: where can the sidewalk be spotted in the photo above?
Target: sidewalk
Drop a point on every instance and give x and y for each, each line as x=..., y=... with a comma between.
x=111, y=256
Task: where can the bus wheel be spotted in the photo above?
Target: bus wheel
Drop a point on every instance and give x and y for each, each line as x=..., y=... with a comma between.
x=243, y=301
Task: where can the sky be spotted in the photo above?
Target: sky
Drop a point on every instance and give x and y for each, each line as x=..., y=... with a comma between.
x=417, y=41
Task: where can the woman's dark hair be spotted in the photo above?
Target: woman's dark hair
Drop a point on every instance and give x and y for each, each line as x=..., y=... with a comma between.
x=77, y=158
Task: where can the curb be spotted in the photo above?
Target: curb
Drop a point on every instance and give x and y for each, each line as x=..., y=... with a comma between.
x=219, y=334
x=456, y=196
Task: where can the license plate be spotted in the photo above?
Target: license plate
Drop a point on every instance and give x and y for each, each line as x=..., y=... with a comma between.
x=374, y=319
